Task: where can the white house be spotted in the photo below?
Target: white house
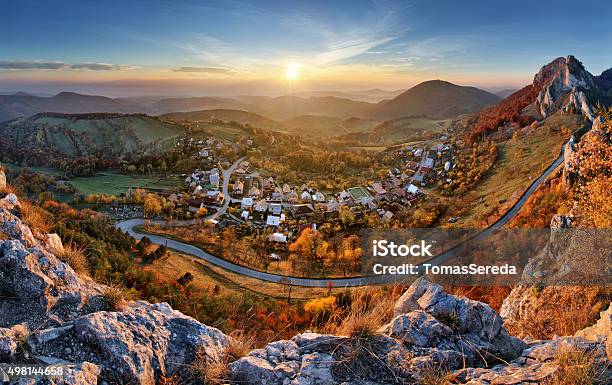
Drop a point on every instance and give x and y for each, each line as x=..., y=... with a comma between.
x=278, y=237
x=273, y=220
x=275, y=208
x=214, y=180
x=412, y=189
x=306, y=197
x=447, y=166
x=244, y=215
x=246, y=203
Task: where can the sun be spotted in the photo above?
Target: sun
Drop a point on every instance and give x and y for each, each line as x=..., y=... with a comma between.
x=292, y=72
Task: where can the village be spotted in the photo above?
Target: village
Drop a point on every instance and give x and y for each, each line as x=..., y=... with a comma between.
x=243, y=196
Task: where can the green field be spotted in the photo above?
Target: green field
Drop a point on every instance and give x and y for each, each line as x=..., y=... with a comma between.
x=358, y=192
x=115, y=184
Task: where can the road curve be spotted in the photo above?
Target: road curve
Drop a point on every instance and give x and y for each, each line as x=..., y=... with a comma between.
x=128, y=227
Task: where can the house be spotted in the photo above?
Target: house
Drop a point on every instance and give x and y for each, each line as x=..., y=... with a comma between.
x=300, y=211
x=378, y=189
x=412, y=166
x=214, y=197
x=273, y=220
x=268, y=184
x=412, y=189
x=195, y=205
x=238, y=188
x=204, y=153
x=214, y=180
x=275, y=208
x=291, y=197
x=246, y=203
x=318, y=197
x=344, y=195
x=429, y=163
x=278, y=237
x=274, y=257
x=277, y=196
x=173, y=198
x=387, y=216
x=254, y=192
x=447, y=166
x=244, y=215
x=306, y=197
x=261, y=206
x=286, y=188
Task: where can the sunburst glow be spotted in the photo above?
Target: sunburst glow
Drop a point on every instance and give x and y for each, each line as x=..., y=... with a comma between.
x=292, y=72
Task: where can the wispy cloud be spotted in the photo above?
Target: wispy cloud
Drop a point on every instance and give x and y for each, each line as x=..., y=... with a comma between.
x=30, y=65
x=207, y=70
x=101, y=67
x=22, y=65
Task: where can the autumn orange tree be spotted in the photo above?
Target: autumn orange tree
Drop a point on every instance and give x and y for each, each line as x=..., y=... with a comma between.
x=595, y=170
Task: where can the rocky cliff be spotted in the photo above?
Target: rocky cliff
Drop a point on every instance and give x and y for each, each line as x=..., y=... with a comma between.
x=565, y=84
x=50, y=315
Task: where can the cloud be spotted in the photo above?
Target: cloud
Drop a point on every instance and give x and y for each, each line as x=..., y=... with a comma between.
x=27, y=65
x=100, y=67
x=207, y=70
x=31, y=65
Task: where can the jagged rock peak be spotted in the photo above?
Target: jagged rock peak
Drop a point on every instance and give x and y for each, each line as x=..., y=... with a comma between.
x=562, y=84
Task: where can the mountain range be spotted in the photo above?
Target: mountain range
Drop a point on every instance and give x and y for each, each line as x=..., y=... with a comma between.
x=432, y=98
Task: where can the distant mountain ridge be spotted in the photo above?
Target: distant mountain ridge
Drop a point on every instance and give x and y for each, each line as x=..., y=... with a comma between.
x=20, y=105
x=435, y=99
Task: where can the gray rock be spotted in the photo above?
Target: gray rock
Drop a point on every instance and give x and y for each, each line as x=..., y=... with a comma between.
x=254, y=370
x=435, y=319
x=146, y=340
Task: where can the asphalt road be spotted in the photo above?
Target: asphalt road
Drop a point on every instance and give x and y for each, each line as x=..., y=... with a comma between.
x=128, y=226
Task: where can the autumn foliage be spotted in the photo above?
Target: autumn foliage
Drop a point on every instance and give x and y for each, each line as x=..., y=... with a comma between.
x=506, y=111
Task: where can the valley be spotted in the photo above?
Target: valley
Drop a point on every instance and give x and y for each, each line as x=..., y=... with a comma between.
x=254, y=213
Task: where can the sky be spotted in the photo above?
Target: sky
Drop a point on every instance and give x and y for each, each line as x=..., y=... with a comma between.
x=230, y=47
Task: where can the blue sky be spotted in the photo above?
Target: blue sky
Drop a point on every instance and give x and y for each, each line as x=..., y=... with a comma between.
x=155, y=46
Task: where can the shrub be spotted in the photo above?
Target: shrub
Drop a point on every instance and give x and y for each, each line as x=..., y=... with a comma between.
x=74, y=255
x=580, y=367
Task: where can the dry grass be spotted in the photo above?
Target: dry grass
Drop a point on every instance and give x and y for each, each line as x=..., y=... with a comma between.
x=580, y=367
x=361, y=321
x=74, y=255
x=116, y=297
x=35, y=217
x=367, y=313
x=240, y=345
x=172, y=380
x=435, y=375
x=561, y=311
x=215, y=371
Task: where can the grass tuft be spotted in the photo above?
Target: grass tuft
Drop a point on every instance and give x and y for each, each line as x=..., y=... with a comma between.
x=74, y=255
x=580, y=367
x=116, y=297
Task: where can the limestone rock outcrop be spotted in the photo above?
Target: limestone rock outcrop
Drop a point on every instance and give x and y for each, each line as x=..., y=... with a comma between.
x=51, y=315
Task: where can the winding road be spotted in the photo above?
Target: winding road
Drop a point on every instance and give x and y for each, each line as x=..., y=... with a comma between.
x=129, y=225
